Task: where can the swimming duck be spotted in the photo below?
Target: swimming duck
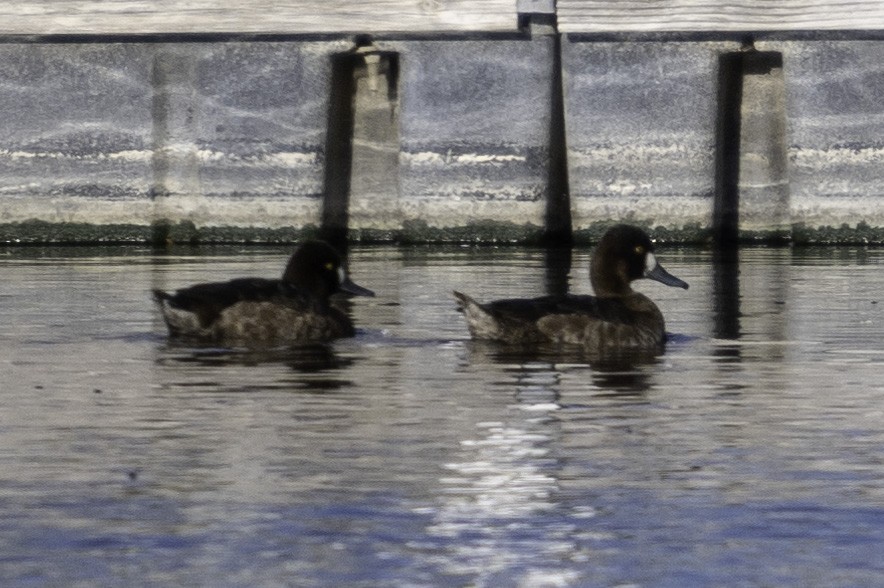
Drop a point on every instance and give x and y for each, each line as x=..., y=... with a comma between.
x=293, y=309
x=616, y=319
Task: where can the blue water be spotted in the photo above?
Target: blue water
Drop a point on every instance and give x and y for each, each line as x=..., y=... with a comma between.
x=750, y=454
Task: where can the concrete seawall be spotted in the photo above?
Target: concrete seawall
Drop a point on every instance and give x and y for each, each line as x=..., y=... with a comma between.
x=448, y=139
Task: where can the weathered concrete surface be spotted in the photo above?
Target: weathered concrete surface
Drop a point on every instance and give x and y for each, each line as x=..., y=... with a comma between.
x=836, y=138
x=617, y=16
x=374, y=190
x=475, y=126
x=226, y=140
x=641, y=132
x=764, y=179
x=244, y=131
x=642, y=139
x=210, y=135
x=132, y=17
x=75, y=135
x=213, y=134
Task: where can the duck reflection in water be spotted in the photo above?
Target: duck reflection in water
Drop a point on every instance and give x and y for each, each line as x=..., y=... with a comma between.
x=312, y=358
x=315, y=368
x=624, y=373
x=616, y=321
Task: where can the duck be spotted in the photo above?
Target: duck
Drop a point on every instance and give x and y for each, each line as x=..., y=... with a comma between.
x=617, y=319
x=295, y=308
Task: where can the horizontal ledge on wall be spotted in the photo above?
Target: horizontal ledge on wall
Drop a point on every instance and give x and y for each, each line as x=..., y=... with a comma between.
x=590, y=16
x=121, y=17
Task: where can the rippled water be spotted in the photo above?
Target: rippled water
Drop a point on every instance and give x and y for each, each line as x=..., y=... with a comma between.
x=751, y=453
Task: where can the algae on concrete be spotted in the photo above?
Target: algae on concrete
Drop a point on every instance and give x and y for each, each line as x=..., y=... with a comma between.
x=36, y=232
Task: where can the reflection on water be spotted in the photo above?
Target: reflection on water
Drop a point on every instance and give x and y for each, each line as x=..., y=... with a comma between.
x=626, y=372
x=748, y=454
x=726, y=293
x=557, y=263
x=313, y=367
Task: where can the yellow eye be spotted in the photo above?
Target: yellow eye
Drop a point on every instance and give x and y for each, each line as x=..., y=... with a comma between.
x=639, y=250
x=329, y=266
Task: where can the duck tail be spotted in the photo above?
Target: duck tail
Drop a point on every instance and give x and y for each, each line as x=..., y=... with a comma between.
x=479, y=322
x=467, y=304
x=463, y=301
x=179, y=321
x=160, y=296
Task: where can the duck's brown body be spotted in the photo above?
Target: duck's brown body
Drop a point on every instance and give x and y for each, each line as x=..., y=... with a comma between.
x=294, y=309
x=629, y=322
x=251, y=310
x=616, y=319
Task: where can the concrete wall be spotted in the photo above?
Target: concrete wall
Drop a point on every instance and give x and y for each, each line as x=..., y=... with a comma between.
x=835, y=116
x=76, y=131
x=475, y=130
x=226, y=134
x=643, y=133
x=641, y=123
x=226, y=140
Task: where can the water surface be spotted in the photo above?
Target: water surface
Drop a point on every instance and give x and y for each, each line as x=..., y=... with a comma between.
x=749, y=454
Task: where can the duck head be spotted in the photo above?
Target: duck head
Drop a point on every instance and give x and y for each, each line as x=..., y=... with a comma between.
x=316, y=268
x=625, y=253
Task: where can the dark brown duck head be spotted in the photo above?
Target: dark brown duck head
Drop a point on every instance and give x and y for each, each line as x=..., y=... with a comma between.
x=625, y=253
x=316, y=269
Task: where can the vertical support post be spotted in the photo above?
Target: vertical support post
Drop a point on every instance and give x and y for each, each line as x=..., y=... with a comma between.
x=726, y=205
x=558, y=208
x=539, y=17
x=176, y=186
x=374, y=189
x=764, y=180
x=362, y=144
x=174, y=110
x=338, y=153
x=751, y=180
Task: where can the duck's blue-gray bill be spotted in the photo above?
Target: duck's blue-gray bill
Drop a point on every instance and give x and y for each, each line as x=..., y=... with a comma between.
x=355, y=289
x=664, y=277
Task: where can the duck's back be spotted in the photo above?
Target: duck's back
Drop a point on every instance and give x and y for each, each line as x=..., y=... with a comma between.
x=627, y=322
